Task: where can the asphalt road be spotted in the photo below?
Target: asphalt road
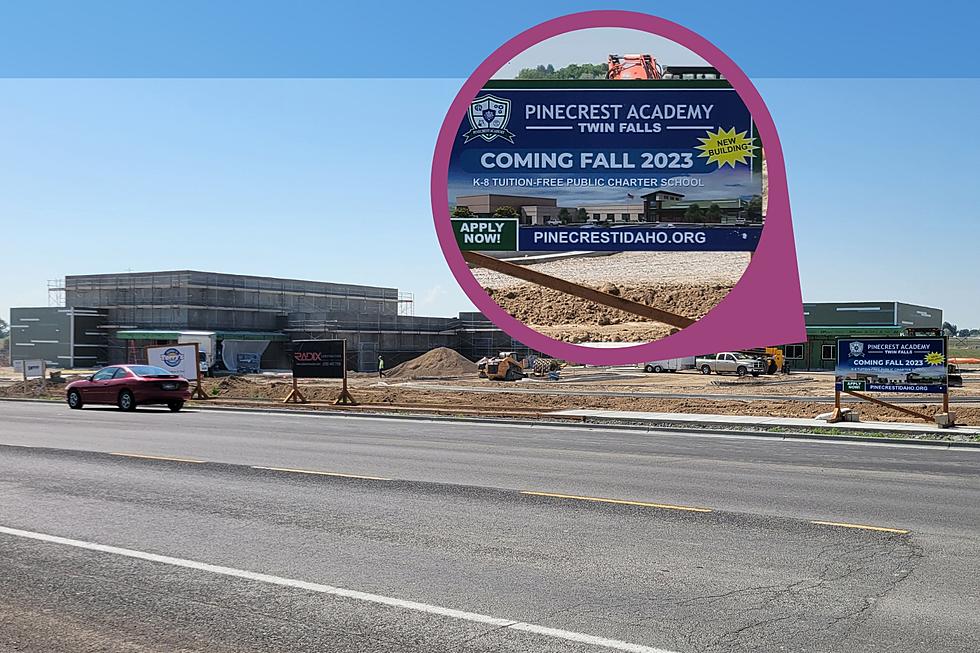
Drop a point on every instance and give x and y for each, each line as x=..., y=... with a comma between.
x=443, y=549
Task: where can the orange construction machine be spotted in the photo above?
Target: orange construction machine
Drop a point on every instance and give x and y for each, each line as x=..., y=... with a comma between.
x=633, y=66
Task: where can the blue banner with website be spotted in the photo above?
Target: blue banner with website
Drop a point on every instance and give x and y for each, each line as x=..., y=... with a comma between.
x=639, y=239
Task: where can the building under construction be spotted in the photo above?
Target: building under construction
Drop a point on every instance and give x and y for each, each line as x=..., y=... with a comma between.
x=126, y=312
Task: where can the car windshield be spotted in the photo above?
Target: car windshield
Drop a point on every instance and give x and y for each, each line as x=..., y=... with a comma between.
x=150, y=370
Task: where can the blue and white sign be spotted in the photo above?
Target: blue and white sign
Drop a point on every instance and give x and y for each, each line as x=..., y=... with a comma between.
x=614, y=153
x=561, y=140
x=178, y=359
x=892, y=365
x=638, y=239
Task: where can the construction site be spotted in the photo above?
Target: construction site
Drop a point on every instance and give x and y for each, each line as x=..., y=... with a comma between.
x=460, y=365
x=443, y=382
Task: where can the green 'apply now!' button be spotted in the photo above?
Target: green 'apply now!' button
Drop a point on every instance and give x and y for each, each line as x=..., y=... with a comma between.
x=486, y=235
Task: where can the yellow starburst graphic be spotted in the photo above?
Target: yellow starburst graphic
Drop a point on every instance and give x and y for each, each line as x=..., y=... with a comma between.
x=726, y=147
x=935, y=358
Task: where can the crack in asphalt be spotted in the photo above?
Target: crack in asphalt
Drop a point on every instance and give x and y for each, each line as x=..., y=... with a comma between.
x=886, y=561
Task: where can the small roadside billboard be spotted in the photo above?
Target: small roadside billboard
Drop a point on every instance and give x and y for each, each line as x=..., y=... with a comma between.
x=30, y=369
x=179, y=359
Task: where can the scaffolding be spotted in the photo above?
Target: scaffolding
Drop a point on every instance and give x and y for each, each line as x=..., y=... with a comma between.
x=406, y=303
x=374, y=320
x=56, y=292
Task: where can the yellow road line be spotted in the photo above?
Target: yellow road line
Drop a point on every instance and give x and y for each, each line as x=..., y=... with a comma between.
x=317, y=473
x=645, y=504
x=880, y=529
x=140, y=455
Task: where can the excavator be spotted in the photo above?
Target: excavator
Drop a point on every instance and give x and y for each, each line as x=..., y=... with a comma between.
x=633, y=66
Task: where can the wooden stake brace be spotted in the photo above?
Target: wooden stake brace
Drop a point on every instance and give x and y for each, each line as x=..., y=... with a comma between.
x=198, y=392
x=900, y=409
x=295, y=396
x=577, y=290
x=345, y=398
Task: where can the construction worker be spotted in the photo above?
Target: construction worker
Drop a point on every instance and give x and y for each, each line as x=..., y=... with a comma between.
x=381, y=367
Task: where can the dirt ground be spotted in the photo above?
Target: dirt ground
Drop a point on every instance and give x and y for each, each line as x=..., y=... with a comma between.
x=572, y=319
x=445, y=395
x=636, y=268
x=685, y=283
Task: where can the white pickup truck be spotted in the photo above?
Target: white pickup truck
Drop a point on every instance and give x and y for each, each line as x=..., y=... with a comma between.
x=728, y=362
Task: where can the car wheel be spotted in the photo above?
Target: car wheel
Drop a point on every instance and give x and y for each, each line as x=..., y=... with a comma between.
x=74, y=399
x=658, y=369
x=126, y=400
x=705, y=369
x=741, y=371
x=175, y=406
x=756, y=373
x=648, y=369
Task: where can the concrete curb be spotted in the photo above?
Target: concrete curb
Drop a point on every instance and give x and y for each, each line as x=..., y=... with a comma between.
x=593, y=423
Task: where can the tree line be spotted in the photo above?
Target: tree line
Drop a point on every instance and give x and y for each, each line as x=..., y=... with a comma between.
x=571, y=71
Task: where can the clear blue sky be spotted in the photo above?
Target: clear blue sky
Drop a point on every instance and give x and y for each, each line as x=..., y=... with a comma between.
x=388, y=38
x=328, y=178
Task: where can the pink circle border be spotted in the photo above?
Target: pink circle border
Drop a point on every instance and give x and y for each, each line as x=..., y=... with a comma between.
x=747, y=317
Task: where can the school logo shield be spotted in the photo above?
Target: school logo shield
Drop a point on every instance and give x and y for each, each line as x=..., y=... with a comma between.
x=488, y=116
x=857, y=349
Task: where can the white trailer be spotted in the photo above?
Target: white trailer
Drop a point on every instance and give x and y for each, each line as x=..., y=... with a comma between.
x=670, y=364
x=207, y=345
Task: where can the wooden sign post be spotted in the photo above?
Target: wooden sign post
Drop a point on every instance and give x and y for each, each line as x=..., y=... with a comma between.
x=199, y=389
x=295, y=396
x=345, y=398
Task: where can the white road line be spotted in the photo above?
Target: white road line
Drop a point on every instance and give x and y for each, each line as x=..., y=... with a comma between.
x=475, y=617
x=317, y=473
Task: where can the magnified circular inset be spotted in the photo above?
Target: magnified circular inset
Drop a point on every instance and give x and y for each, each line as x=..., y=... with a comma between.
x=604, y=188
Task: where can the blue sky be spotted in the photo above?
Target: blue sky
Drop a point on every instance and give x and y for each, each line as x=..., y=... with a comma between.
x=387, y=38
x=328, y=178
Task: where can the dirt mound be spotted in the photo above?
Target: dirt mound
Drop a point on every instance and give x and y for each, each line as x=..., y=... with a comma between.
x=34, y=388
x=560, y=315
x=439, y=362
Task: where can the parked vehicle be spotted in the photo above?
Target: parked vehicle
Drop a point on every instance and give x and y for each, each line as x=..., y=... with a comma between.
x=728, y=362
x=207, y=346
x=248, y=363
x=954, y=376
x=128, y=386
x=670, y=365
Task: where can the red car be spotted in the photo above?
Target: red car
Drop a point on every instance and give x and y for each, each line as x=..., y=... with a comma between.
x=128, y=386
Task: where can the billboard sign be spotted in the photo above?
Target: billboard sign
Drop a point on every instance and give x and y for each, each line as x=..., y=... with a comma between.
x=30, y=369
x=891, y=365
x=176, y=359
x=319, y=359
x=665, y=152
